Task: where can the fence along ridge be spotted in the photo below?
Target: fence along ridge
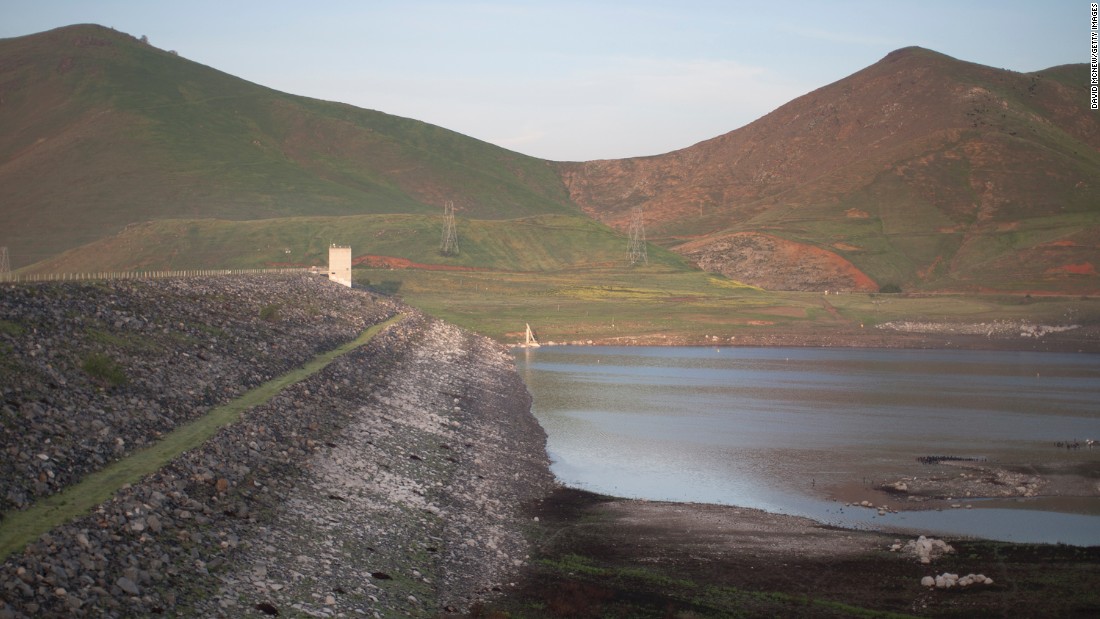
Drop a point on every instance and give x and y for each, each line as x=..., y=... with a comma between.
x=76, y=277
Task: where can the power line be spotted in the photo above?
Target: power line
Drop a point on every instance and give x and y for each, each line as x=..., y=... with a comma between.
x=449, y=245
x=637, y=249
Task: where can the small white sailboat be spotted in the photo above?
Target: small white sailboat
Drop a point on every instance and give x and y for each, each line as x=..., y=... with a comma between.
x=530, y=342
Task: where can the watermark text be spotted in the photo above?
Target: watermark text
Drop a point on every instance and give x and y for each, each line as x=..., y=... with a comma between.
x=1094, y=67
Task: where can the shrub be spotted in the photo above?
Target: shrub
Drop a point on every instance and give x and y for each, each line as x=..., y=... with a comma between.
x=270, y=313
x=387, y=287
x=890, y=289
x=104, y=369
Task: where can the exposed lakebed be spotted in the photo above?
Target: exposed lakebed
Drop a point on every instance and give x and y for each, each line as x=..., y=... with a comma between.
x=801, y=431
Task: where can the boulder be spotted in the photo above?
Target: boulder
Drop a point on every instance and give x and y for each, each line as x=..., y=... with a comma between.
x=128, y=586
x=927, y=549
x=948, y=580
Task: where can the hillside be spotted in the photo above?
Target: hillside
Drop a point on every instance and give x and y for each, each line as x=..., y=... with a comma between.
x=530, y=244
x=100, y=130
x=920, y=170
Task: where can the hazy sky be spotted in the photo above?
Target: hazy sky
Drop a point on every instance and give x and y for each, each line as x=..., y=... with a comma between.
x=573, y=79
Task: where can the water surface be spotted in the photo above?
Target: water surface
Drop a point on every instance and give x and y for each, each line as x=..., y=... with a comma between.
x=776, y=428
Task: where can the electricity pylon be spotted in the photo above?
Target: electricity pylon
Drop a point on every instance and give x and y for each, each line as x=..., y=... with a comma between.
x=5, y=266
x=449, y=245
x=637, y=249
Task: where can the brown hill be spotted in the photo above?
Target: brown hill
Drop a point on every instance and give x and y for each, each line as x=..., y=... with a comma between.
x=921, y=170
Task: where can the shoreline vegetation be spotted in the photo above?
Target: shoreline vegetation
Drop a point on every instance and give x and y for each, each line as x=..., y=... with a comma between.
x=408, y=477
x=654, y=306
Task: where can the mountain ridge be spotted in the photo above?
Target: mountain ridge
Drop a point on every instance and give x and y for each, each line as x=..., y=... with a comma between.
x=917, y=131
x=919, y=171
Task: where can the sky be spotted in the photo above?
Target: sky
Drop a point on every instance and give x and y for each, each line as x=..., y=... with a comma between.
x=573, y=80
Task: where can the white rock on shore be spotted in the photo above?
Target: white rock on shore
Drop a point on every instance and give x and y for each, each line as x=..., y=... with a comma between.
x=925, y=549
x=948, y=580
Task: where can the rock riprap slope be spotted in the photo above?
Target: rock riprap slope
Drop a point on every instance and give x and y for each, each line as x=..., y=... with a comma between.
x=388, y=483
x=90, y=372
x=415, y=507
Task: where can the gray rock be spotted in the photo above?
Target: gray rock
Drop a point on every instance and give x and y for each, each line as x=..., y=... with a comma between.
x=128, y=586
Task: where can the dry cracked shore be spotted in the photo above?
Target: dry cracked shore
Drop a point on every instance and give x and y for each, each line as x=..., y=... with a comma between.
x=387, y=484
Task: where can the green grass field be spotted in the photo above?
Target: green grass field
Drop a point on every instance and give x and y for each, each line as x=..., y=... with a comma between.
x=583, y=304
x=657, y=304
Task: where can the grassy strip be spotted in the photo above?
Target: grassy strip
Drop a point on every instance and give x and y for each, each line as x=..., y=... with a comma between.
x=639, y=589
x=18, y=529
x=667, y=305
x=599, y=303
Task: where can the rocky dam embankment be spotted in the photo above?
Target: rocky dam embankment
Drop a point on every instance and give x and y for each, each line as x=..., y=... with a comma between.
x=388, y=483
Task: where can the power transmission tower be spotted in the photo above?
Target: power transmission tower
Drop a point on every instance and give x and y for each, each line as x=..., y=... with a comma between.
x=637, y=249
x=449, y=246
x=5, y=265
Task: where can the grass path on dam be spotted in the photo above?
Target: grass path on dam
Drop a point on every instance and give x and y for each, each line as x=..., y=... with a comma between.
x=19, y=528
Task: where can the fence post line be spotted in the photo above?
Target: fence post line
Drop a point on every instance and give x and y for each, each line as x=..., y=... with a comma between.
x=81, y=276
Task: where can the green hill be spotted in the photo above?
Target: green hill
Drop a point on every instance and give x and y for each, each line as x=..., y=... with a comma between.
x=101, y=130
x=532, y=244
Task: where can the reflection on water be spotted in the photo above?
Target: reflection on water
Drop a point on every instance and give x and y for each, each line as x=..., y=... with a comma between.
x=773, y=428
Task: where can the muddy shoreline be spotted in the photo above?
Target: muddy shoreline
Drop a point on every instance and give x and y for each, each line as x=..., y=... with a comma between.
x=951, y=484
x=598, y=556
x=1082, y=340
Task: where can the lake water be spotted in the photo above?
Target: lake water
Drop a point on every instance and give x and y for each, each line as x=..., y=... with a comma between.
x=782, y=429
